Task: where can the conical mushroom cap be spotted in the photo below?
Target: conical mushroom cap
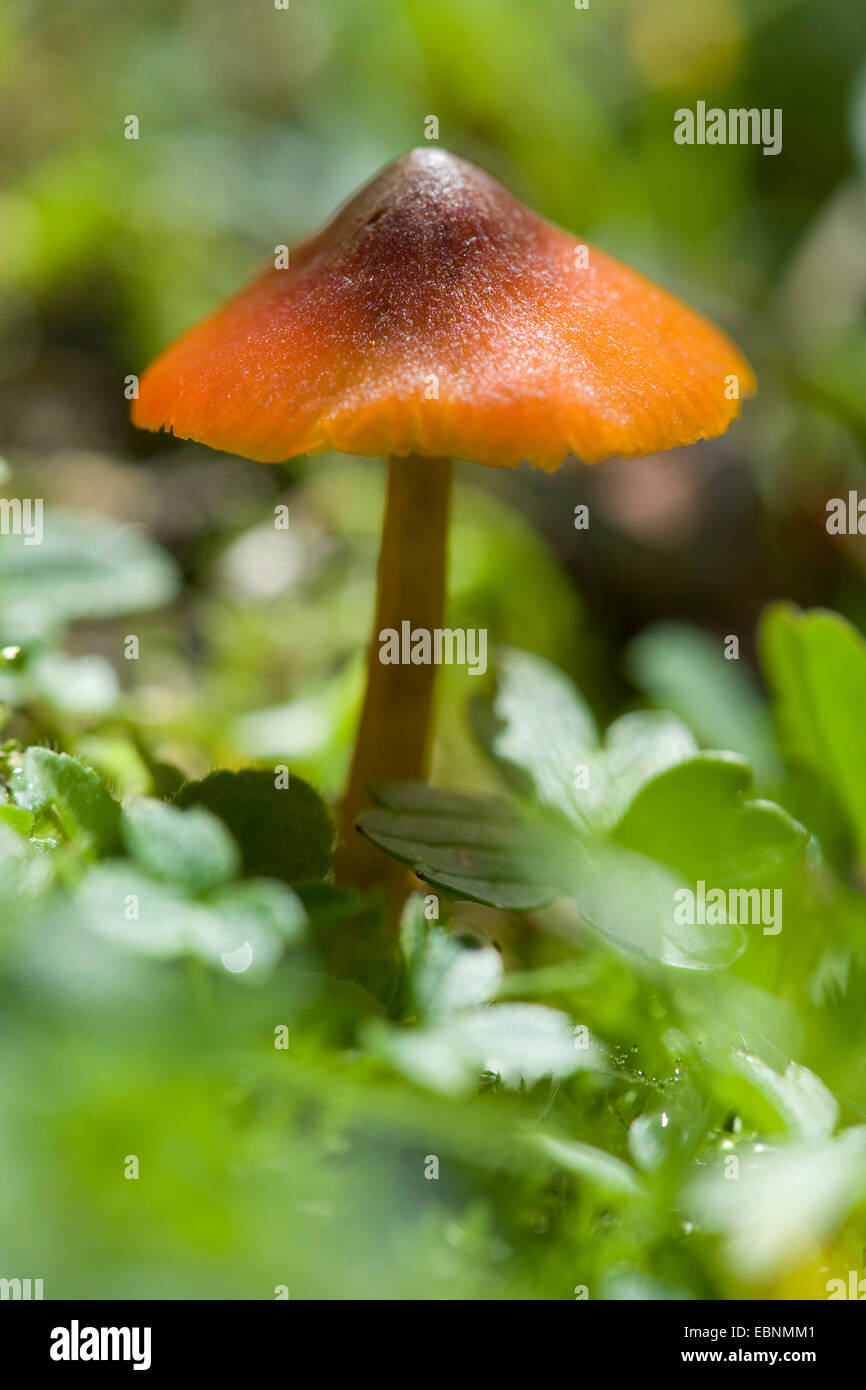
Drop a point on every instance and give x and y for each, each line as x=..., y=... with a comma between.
x=437, y=315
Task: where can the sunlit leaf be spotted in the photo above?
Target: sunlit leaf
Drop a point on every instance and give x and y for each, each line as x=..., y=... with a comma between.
x=816, y=667
x=697, y=818
x=516, y=1042
x=808, y=1108
x=543, y=738
x=87, y=812
x=191, y=848
x=783, y=1203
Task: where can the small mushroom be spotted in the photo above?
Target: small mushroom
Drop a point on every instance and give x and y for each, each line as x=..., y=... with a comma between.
x=436, y=316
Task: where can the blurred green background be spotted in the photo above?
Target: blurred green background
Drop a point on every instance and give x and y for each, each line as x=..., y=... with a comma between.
x=254, y=124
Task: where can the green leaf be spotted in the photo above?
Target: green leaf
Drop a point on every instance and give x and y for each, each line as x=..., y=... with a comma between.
x=784, y=1204
x=261, y=907
x=240, y=932
x=448, y=977
x=85, y=567
x=633, y=902
x=524, y=1042
x=816, y=668
x=696, y=818
x=461, y=1035
x=809, y=1110
x=472, y=847
x=413, y=928
x=636, y=748
x=17, y=818
x=191, y=848
x=483, y=850
x=537, y=728
x=25, y=871
x=87, y=812
x=685, y=670
x=517, y=1042
x=605, y=1171
x=283, y=832
x=544, y=740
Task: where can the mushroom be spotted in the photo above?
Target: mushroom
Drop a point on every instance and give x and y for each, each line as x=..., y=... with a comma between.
x=438, y=317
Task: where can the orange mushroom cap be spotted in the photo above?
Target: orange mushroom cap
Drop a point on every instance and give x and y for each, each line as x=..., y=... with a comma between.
x=437, y=315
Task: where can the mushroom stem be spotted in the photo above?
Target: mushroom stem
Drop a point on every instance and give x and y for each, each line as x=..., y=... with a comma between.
x=393, y=736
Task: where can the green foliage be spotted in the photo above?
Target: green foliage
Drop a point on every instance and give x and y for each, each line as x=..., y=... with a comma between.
x=610, y=1097
x=543, y=736
x=800, y=1098
x=698, y=819
x=457, y=1038
x=191, y=848
x=17, y=817
x=283, y=832
x=816, y=665
x=784, y=1202
x=611, y=1055
x=241, y=927
x=476, y=848
x=679, y=669
x=653, y=817
x=84, y=567
x=44, y=783
x=672, y=816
